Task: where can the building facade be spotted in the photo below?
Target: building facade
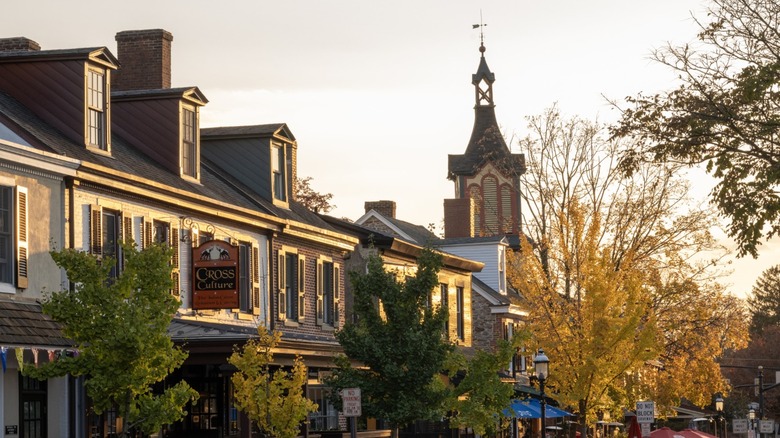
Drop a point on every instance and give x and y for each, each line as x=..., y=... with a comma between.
x=102, y=160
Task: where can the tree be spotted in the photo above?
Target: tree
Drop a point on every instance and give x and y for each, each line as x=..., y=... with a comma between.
x=741, y=367
x=399, y=344
x=598, y=336
x=587, y=219
x=481, y=394
x=272, y=399
x=725, y=114
x=764, y=301
x=309, y=198
x=119, y=326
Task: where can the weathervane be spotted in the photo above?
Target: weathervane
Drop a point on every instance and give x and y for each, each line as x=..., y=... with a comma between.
x=481, y=25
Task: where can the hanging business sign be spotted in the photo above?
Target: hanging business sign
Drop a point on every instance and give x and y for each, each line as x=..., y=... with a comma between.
x=215, y=276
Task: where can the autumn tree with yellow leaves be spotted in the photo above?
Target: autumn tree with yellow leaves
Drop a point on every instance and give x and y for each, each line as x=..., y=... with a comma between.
x=620, y=274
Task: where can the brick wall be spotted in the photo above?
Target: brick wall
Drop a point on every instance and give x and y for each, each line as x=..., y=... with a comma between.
x=145, y=60
x=484, y=330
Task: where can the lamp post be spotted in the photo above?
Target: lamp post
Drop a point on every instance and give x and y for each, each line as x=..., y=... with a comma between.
x=541, y=363
x=751, y=417
x=719, y=409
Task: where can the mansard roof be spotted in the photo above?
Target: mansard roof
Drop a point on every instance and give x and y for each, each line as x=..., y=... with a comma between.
x=124, y=158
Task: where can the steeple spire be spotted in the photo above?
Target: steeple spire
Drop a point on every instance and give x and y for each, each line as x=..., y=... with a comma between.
x=484, y=78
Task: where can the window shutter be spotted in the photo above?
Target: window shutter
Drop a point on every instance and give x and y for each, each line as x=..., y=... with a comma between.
x=254, y=260
x=148, y=236
x=21, y=237
x=174, y=242
x=127, y=227
x=96, y=229
x=280, y=279
x=336, y=294
x=301, y=288
x=320, y=288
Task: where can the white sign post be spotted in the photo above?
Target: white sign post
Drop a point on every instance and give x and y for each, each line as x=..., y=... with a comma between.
x=645, y=412
x=350, y=399
x=645, y=416
x=351, y=408
x=739, y=425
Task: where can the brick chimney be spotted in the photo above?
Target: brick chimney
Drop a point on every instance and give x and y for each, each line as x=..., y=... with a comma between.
x=144, y=60
x=458, y=218
x=385, y=208
x=18, y=44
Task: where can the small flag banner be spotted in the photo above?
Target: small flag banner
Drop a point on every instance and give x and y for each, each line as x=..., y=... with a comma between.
x=52, y=355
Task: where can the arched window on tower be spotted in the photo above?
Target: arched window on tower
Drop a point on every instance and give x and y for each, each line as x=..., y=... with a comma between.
x=507, y=218
x=491, y=207
x=475, y=193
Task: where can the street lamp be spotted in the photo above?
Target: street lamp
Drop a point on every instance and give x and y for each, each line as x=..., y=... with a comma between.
x=719, y=408
x=751, y=417
x=541, y=363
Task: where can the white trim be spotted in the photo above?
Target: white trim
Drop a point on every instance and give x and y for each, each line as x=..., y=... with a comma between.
x=373, y=213
x=29, y=156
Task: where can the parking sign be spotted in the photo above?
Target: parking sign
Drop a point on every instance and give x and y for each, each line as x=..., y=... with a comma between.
x=350, y=399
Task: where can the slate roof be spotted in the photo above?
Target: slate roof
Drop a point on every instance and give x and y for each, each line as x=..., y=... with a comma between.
x=216, y=183
x=502, y=300
x=60, y=54
x=24, y=324
x=247, y=130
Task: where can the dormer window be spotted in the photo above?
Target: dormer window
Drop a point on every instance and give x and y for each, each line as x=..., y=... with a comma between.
x=97, y=135
x=278, y=173
x=189, y=142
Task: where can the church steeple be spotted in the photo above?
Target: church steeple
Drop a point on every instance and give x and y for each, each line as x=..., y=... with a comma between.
x=483, y=80
x=487, y=174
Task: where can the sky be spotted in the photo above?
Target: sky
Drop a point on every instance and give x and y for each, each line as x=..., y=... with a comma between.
x=378, y=93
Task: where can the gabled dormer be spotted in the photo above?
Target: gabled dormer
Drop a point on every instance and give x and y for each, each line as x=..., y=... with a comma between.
x=69, y=89
x=160, y=121
x=262, y=157
x=164, y=124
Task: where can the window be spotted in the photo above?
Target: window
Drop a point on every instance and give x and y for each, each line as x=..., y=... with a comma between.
x=110, y=239
x=460, y=320
x=13, y=238
x=189, y=143
x=292, y=285
x=278, y=173
x=328, y=289
x=501, y=270
x=445, y=304
x=96, y=110
x=326, y=417
x=244, y=281
x=160, y=232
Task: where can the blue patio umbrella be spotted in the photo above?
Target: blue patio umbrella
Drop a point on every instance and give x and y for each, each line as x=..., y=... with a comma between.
x=531, y=408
